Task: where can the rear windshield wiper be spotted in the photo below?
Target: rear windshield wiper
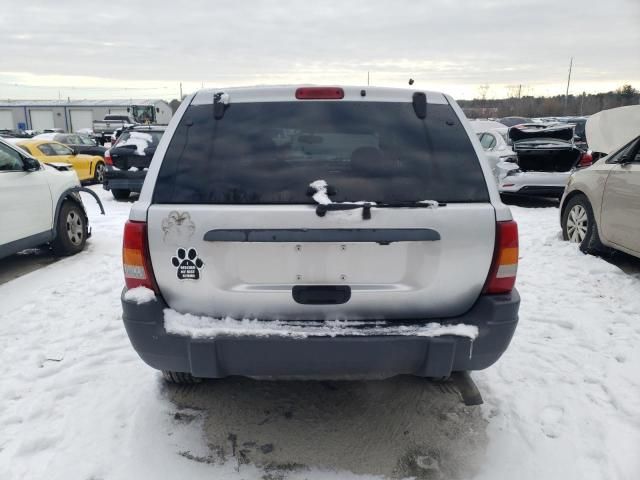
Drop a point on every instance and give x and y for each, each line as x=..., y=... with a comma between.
x=322, y=209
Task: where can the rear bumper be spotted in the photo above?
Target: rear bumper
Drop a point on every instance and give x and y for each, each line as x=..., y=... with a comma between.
x=496, y=317
x=535, y=191
x=123, y=180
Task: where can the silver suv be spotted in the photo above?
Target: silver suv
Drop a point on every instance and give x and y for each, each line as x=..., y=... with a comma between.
x=319, y=232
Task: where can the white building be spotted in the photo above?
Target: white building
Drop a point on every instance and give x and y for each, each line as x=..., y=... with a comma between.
x=74, y=115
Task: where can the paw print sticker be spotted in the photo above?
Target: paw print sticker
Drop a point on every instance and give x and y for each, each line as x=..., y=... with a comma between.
x=188, y=264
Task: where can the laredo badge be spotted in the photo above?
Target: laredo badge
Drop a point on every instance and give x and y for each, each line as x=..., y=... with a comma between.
x=188, y=264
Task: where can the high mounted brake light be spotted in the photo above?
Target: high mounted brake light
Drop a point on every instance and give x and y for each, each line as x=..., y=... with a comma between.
x=502, y=275
x=136, y=260
x=319, y=93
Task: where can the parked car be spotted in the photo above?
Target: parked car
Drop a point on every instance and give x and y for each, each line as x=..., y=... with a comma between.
x=600, y=209
x=128, y=160
x=87, y=167
x=256, y=247
x=102, y=129
x=40, y=205
x=493, y=137
x=545, y=158
x=5, y=133
x=79, y=142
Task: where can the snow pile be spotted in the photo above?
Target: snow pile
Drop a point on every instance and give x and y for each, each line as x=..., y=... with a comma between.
x=432, y=203
x=141, y=141
x=207, y=327
x=321, y=197
x=140, y=295
x=224, y=98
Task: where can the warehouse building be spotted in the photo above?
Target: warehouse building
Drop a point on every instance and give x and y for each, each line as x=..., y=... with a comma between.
x=74, y=115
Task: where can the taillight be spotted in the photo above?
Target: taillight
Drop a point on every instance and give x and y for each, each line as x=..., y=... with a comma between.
x=136, y=260
x=107, y=158
x=502, y=275
x=319, y=93
x=585, y=159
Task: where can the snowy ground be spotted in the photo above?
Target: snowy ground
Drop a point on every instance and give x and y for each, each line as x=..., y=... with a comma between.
x=563, y=403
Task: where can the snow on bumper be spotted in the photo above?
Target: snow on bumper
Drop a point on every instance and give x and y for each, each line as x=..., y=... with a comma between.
x=167, y=340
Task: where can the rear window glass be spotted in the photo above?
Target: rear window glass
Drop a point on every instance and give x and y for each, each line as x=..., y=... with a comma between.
x=150, y=139
x=269, y=152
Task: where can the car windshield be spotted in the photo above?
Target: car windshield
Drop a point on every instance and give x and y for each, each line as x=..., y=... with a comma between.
x=270, y=153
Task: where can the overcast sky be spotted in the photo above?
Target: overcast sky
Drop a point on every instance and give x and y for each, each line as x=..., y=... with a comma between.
x=129, y=49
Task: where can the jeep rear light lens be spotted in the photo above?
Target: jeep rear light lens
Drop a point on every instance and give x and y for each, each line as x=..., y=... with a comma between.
x=319, y=93
x=136, y=260
x=502, y=275
x=107, y=158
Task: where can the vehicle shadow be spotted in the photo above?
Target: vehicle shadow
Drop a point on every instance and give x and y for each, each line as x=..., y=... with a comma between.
x=399, y=427
x=627, y=263
x=25, y=262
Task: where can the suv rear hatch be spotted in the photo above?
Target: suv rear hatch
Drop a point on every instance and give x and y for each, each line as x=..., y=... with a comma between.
x=234, y=229
x=135, y=149
x=542, y=148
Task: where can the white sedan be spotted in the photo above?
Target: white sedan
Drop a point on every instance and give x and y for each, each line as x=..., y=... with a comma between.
x=40, y=205
x=493, y=138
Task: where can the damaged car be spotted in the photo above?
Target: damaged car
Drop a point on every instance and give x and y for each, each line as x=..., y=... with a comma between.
x=129, y=158
x=545, y=157
x=41, y=204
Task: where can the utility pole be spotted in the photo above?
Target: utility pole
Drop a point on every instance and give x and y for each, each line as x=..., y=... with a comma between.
x=180, y=91
x=367, y=78
x=519, y=91
x=566, y=95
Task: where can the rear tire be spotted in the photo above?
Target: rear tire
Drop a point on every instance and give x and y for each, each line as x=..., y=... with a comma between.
x=71, y=230
x=180, y=378
x=98, y=174
x=120, y=194
x=579, y=225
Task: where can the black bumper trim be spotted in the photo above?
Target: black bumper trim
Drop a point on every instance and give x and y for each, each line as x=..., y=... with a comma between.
x=496, y=317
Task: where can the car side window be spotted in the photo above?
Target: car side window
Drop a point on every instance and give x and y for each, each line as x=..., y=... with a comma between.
x=10, y=160
x=635, y=151
x=488, y=141
x=628, y=149
x=46, y=149
x=60, y=149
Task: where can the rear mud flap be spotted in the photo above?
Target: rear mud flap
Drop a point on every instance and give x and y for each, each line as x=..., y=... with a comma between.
x=467, y=388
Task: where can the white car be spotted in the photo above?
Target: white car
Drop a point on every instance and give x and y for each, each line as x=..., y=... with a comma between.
x=40, y=205
x=545, y=158
x=494, y=141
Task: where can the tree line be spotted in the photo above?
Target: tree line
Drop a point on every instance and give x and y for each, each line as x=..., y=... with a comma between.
x=558, y=105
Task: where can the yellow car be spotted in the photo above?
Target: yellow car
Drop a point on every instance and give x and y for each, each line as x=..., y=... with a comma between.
x=88, y=167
